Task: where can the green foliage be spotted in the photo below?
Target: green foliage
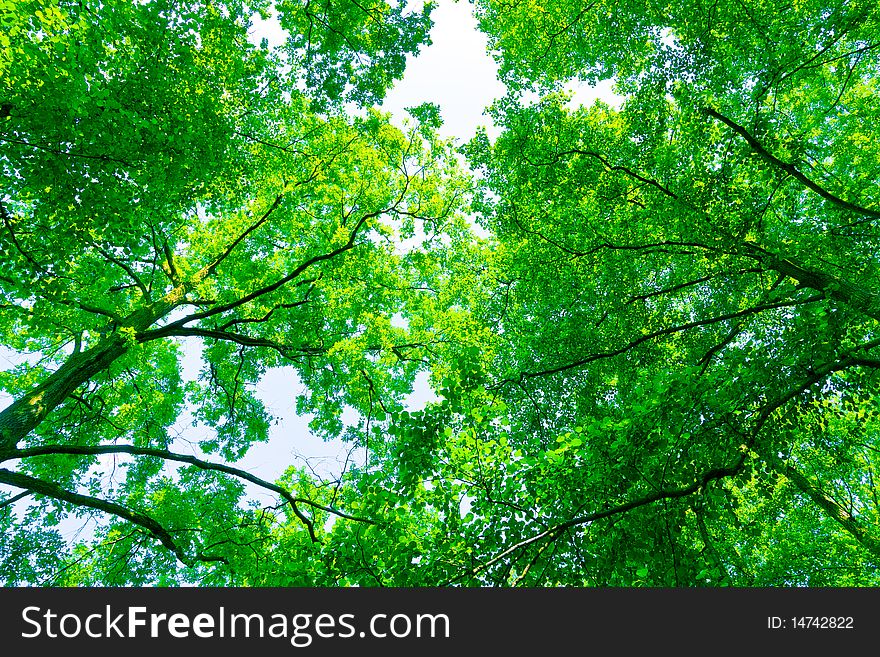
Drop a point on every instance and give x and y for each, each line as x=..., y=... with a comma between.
x=335, y=42
x=658, y=369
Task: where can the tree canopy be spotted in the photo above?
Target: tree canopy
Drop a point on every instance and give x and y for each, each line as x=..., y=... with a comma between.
x=654, y=363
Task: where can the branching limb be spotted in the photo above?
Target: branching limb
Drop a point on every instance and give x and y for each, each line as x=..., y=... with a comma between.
x=558, y=530
x=170, y=268
x=834, y=510
x=167, y=455
x=697, y=281
x=228, y=336
x=128, y=270
x=210, y=268
x=38, y=486
x=310, y=262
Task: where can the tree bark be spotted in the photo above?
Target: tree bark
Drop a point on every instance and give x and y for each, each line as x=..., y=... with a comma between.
x=29, y=410
x=841, y=290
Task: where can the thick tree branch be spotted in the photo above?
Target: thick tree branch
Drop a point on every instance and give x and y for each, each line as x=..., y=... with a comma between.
x=228, y=336
x=29, y=410
x=837, y=288
x=834, y=510
x=173, y=275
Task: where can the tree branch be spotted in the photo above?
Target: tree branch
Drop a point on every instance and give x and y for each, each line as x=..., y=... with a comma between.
x=128, y=270
x=14, y=499
x=34, y=485
x=44, y=450
x=238, y=338
x=667, y=331
x=790, y=168
x=280, y=282
x=834, y=510
x=210, y=268
x=557, y=530
x=697, y=281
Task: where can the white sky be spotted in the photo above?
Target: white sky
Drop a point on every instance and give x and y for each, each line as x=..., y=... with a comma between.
x=455, y=71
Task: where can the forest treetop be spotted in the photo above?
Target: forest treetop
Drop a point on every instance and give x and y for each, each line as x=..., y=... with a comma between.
x=659, y=368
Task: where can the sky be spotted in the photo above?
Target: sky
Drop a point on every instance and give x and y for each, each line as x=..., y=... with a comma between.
x=455, y=71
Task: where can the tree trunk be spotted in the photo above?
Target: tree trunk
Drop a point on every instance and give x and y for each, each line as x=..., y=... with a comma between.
x=28, y=411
